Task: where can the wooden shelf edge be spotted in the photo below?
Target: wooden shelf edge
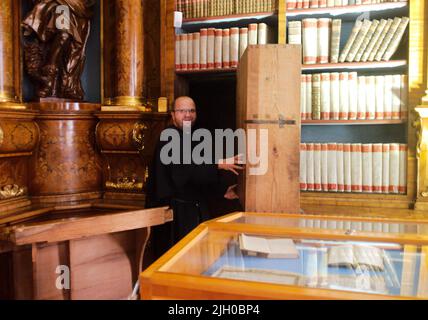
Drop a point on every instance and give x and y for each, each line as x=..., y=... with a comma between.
x=358, y=8
x=227, y=18
x=351, y=122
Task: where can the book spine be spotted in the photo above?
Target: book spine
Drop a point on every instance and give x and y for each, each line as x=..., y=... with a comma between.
x=394, y=167
x=404, y=91
x=313, y=3
x=183, y=52
x=347, y=170
x=370, y=97
x=303, y=184
x=356, y=168
x=334, y=96
x=203, y=48
x=317, y=167
x=359, y=40
x=396, y=39
x=353, y=95
x=306, y=4
x=344, y=96
x=291, y=4
x=396, y=92
x=373, y=40
x=340, y=169
x=361, y=113
x=316, y=96
x=380, y=40
x=366, y=41
x=295, y=32
x=308, y=108
x=303, y=96
x=243, y=40
x=402, y=185
x=252, y=33
x=335, y=40
x=330, y=3
x=324, y=167
x=310, y=166
x=299, y=4
x=218, y=48
x=177, y=52
x=325, y=96
x=234, y=47
x=226, y=48
x=210, y=48
x=323, y=28
x=388, y=96
x=196, y=50
x=385, y=168
x=310, y=42
x=190, y=51
x=262, y=33
x=387, y=39
x=377, y=168
x=332, y=166
x=322, y=3
x=367, y=161
x=380, y=97
x=350, y=41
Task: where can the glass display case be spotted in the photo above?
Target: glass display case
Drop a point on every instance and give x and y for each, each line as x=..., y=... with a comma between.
x=269, y=256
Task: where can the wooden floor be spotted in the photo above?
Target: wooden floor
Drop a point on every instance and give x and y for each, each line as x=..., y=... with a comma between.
x=365, y=211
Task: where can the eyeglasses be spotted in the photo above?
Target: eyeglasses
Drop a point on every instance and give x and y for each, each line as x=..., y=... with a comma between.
x=184, y=111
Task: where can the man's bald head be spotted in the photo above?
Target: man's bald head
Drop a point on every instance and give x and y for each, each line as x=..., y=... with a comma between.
x=184, y=110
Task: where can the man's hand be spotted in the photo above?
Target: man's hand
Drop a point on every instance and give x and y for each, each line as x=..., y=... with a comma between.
x=231, y=193
x=231, y=164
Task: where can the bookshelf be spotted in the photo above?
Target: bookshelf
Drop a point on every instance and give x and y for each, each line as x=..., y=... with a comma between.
x=409, y=60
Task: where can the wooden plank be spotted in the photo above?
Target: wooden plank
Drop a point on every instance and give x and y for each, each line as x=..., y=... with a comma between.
x=269, y=89
x=69, y=229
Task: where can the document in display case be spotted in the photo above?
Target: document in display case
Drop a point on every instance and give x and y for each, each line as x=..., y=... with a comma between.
x=210, y=263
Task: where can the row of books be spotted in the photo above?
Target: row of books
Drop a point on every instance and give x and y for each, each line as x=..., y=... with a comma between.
x=217, y=48
x=211, y=8
x=344, y=167
x=369, y=40
x=305, y=4
x=365, y=226
x=347, y=96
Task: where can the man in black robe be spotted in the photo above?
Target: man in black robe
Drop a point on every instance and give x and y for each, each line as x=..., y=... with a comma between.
x=186, y=188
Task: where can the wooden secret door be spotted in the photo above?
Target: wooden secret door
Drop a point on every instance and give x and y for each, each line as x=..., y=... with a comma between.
x=268, y=109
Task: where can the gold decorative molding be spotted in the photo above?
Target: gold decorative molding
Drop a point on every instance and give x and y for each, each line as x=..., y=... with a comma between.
x=11, y=191
x=1, y=136
x=125, y=184
x=421, y=125
x=139, y=135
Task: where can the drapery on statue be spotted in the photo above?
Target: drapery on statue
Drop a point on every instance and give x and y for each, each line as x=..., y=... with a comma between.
x=56, y=33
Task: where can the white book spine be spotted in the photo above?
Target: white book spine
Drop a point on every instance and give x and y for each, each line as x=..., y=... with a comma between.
x=367, y=162
x=262, y=33
x=252, y=34
x=177, y=52
x=196, y=50
x=218, y=48
x=374, y=40
x=344, y=96
x=394, y=167
x=324, y=167
x=303, y=152
x=340, y=170
x=323, y=28
x=396, y=39
x=388, y=96
x=308, y=109
x=336, y=30
x=361, y=113
x=310, y=42
x=371, y=97
x=203, y=48
x=356, y=167
x=377, y=168
x=210, y=48
x=334, y=96
x=359, y=40
x=332, y=166
x=234, y=47
x=190, y=51
x=396, y=102
x=353, y=95
x=380, y=107
x=387, y=40
x=404, y=96
x=347, y=167
x=350, y=41
x=402, y=186
x=243, y=41
x=310, y=170
x=303, y=96
x=385, y=168
x=295, y=32
x=325, y=96
x=317, y=167
x=226, y=48
x=183, y=52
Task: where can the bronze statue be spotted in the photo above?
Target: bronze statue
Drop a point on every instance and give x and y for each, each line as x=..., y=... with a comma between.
x=55, y=34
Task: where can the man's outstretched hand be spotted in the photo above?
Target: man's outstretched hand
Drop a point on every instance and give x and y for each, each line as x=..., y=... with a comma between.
x=231, y=164
x=231, y=193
